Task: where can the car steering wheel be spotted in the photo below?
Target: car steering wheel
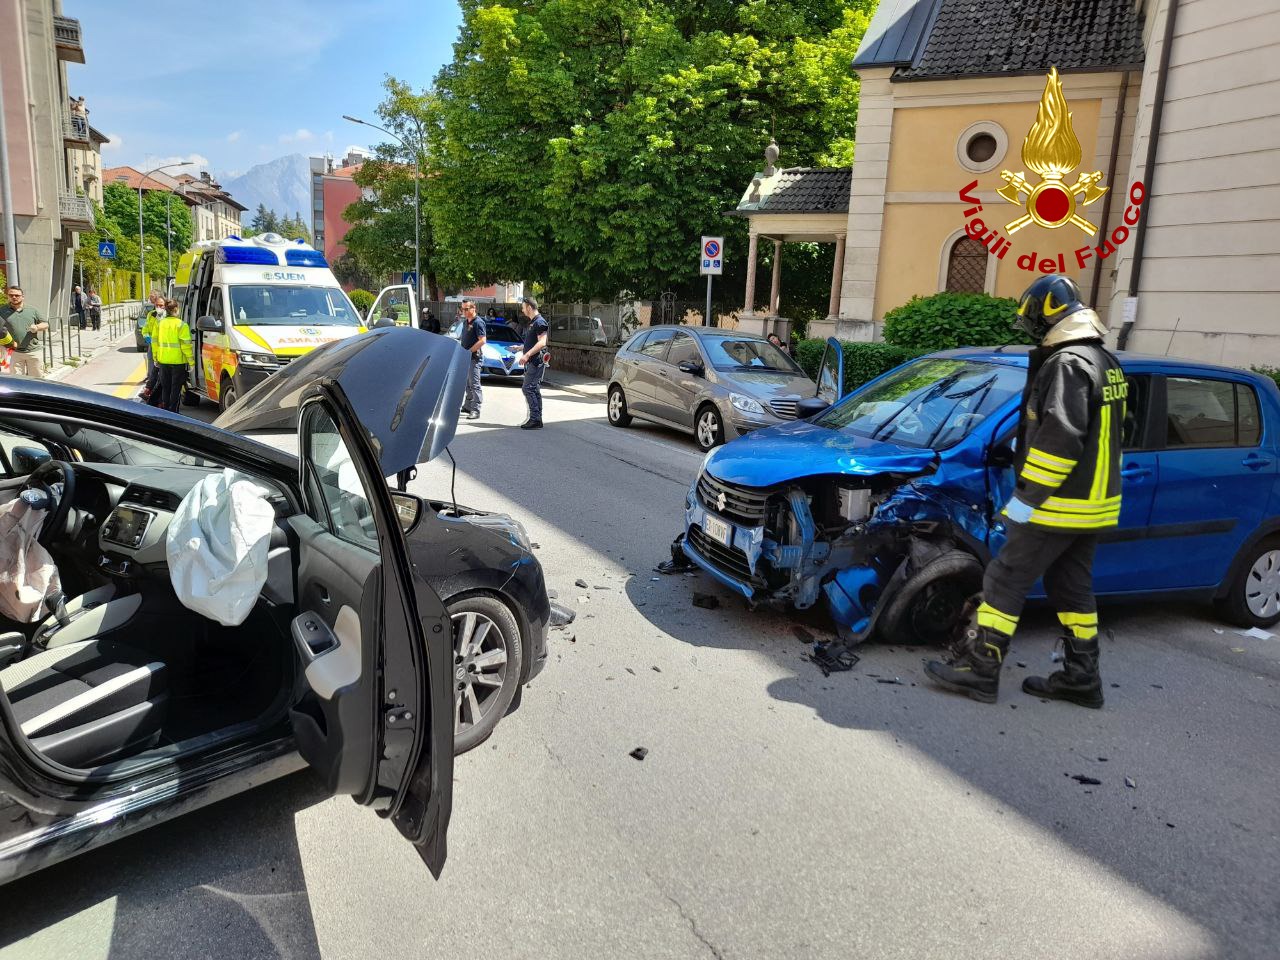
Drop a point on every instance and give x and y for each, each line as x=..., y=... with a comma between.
x=59, y=505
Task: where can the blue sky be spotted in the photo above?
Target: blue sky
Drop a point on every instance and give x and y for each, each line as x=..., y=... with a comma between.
x=239, y=82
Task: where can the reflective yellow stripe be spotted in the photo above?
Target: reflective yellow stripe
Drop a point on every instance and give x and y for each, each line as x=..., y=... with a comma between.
x=1051, y=461
x=993, y=619
x=1083, y=626
x=1071, y=505
x=1051, y=480
x=1103, y=467
x=1067, y=521
x=251, y=334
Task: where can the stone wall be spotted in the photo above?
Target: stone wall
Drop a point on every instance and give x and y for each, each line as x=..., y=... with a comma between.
x=579, y=358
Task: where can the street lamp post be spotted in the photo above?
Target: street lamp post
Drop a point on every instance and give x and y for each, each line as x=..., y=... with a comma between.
x=142, y=253
x=417, y=215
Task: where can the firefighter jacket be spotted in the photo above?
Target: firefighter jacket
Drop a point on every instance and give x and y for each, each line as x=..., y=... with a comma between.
x=1068, y=456
x=172, y=342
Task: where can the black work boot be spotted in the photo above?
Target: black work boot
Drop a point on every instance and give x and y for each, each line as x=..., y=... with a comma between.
x=974, y=666
x=1078, y=681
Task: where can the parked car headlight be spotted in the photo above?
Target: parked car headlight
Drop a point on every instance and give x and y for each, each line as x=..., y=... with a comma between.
x=256, y=359
x=746, y=404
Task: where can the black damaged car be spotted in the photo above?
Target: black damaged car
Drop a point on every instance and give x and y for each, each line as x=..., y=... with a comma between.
x=387, y=626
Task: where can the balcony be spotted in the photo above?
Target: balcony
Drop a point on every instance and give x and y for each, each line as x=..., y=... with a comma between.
x=75, y=211
x=75, y=131
x=66, y=39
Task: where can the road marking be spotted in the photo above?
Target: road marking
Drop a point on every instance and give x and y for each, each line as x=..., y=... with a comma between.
x=130, y=385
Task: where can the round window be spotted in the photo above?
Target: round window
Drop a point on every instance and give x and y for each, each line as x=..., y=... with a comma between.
x=981, y=148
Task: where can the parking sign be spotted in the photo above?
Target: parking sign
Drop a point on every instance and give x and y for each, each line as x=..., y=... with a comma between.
x=712, y=256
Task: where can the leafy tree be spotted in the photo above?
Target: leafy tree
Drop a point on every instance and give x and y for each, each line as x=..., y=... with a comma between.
x=381, y=236
x=350, y=274
x=120, y=207
x=588, y=144
x=264, y=220
x=293, y=228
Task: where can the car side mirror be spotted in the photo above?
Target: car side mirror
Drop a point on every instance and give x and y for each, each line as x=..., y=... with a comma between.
x=210, y=325
x=811, y=407
x=408, y=509
x=1001, y=455
x=693, y=367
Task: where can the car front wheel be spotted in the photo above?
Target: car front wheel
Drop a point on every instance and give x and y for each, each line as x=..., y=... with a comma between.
x=1253, y=598
x=487, y=659
x=708, y=429
x=227, y=395
x=618, y=415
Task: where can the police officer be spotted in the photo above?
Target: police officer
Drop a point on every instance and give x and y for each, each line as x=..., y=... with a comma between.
x=1067, y=489
x=173, y=354
x=535, y=342
x=474, y=336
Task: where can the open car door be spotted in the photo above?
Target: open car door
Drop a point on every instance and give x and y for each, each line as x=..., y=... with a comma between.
x=831, y=372
x=397, y=304
x=372, y=705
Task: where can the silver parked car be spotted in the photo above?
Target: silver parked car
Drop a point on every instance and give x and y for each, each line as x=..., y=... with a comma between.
x=713, y=383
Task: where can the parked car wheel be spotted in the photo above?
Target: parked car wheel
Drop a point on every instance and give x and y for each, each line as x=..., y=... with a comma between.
x=618, y=415
x=1253, y=599
x=927, y=609
x=487, y=659
x=708, y=429
x=227, y=395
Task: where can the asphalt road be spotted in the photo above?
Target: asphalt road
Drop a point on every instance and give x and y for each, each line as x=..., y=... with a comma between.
x=777, y=814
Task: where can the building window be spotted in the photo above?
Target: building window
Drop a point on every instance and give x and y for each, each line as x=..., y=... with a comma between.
x=967, y=267
x=981, y=146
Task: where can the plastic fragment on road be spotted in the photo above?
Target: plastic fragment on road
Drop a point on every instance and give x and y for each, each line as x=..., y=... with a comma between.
x=580, y=583
x=1131, y=783
x=1087, y=781
x=1254, y=633
x=639, y=753
x=833, y=657
x=217, y=546
x=706, y=601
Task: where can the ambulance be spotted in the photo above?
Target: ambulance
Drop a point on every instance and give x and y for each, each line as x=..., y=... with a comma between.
x=252, y=306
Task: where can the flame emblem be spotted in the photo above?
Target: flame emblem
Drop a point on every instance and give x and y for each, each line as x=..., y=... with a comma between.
x=1052, y=151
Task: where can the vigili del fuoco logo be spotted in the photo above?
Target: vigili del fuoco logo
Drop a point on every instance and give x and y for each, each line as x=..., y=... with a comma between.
x=1052, y=152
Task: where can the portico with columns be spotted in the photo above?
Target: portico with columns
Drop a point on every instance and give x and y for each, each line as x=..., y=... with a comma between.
x=792, y=205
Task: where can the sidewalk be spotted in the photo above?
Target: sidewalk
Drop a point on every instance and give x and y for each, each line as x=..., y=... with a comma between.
x=92, y=343
x=576, y=383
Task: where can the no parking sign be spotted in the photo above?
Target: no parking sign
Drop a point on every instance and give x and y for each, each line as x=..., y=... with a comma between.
x=712, y=258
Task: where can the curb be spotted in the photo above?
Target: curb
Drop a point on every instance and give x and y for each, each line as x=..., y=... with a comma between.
x=578, y=391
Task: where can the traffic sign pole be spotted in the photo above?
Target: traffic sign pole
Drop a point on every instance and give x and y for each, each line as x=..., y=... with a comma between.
x=709, y=320
x=711, y=264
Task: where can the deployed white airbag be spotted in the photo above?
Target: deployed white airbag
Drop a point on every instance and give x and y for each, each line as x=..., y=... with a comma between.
x=27, y=572
x=217, y=546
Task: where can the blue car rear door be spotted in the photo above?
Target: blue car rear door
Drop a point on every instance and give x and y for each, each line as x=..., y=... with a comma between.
x=1121, y=562
x=1215, y=478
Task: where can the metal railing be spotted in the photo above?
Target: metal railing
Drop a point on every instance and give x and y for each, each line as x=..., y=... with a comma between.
x=75, y=210
x=64, y=342
x=75, y=129
x=66, y=32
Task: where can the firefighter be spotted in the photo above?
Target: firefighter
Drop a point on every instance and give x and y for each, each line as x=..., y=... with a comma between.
x=1067, y=490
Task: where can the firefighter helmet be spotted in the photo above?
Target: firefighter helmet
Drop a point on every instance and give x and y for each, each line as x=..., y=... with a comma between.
x=1048, y=301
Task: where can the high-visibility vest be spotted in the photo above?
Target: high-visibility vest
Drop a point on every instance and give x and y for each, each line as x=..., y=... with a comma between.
x=172, y=342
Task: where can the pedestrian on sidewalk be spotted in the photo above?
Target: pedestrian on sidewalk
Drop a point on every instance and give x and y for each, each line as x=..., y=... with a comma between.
x=173, y=353
x=78, y=306
x=533, y=359
x=95, y=308
x=474, y=336
x=24, y=324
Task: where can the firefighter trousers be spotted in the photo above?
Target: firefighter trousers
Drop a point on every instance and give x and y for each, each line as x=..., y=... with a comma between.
x=1065, y=562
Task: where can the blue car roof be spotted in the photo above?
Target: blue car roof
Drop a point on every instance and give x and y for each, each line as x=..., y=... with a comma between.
x=1016, y=355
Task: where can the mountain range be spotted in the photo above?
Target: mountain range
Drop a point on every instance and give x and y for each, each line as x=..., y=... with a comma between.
x=282, y=185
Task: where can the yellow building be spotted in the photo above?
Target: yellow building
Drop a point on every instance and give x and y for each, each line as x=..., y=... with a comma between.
x=951, y=89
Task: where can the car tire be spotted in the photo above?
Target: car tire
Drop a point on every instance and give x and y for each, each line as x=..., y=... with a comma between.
x=1253, y=597
x=927, y=608
x=227, y=395
x=708, y=427
x=618, y=415
x=471, y=614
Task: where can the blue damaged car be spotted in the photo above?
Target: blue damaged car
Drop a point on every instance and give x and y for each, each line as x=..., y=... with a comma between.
x=885, y=504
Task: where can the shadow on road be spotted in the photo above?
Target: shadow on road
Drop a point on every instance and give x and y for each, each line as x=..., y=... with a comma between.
x=227, y=882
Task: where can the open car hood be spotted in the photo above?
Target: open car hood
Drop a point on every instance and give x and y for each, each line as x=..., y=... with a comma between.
x=765, y=458
x=405, y=386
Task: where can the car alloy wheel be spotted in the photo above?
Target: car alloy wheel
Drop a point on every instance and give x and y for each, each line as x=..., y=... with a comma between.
x=1262, y=586
x=618, y=415
x=486, y=666
x=707, y=430
x=227, y=395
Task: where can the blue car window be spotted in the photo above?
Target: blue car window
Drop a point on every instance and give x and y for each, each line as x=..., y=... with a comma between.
x=1210, y=413
x=931, y=403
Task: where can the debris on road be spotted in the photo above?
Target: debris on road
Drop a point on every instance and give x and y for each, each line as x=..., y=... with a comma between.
x=629, y=670
x=1087, y=781
x=656, y=670
x=706, y=601
x=562, y=616
x=1131, y=783
x=893, y=680
x=1254, y=633
x=833, y=657
x=678, y=562
x=804, y=636
x=639, y=753
x=580, y=583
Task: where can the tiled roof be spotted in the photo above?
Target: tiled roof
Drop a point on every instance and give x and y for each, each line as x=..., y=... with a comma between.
x=974, y=38
x=804, y=190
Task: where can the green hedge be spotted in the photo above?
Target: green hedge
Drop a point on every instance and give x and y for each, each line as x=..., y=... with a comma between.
x=1272, y=372
x=862, y=361
x=362, y=299
x=948, y=320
